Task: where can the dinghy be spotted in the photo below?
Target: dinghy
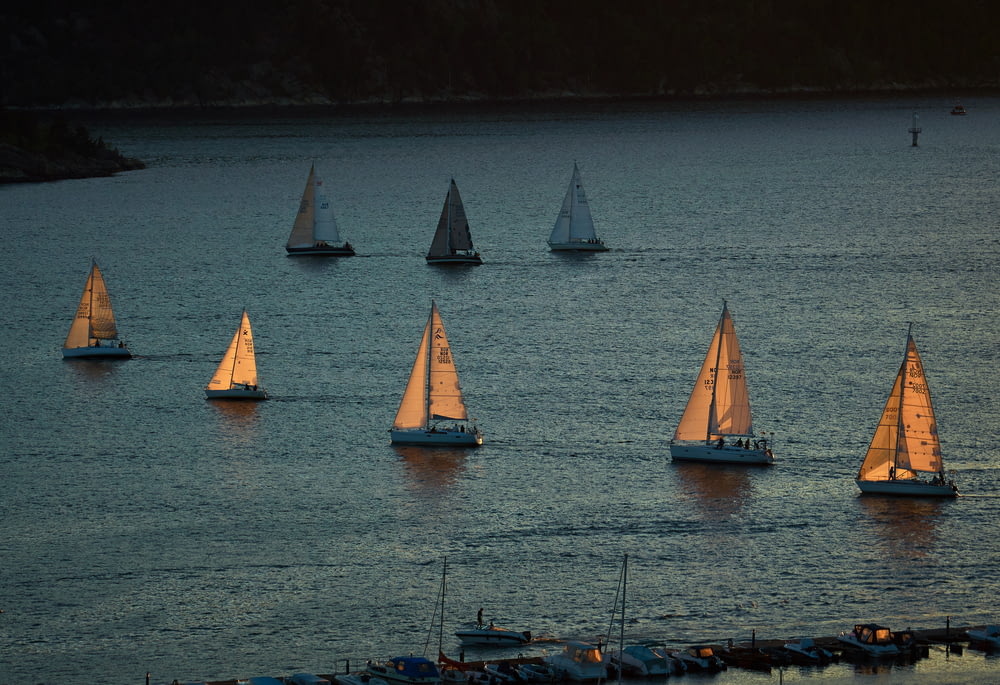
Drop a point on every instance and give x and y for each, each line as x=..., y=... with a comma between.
x=717, y=425
x=93, y=332
x=315, y=231
x=452, y=243
x=906, y=445
x=574, y=229
x=432, y=411
x=236, y=376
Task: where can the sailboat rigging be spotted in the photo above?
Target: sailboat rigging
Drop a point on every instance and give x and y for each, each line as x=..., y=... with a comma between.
x=452, y=243
x=574, y=229
x=93, y=332
x=315, y=230
x=906, y=443
x=717, y=425
x=236, y=376
x=433, y=395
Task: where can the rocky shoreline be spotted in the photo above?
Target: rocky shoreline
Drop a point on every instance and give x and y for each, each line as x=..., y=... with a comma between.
x=18, y=165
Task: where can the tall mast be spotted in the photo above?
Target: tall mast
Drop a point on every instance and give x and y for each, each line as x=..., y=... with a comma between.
x=715, y=378
x=899, y=410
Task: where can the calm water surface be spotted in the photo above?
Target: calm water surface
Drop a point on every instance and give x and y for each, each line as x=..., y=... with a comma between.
x=146, y=529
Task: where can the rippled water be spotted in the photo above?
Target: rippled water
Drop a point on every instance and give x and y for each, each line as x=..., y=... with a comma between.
x=146, y=529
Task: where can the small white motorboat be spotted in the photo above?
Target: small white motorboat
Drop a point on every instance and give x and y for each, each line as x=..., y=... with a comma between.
x=579, y=661
x=359, y=679
x=872, y=639
x=807, y=651
x=492, y=636
x=640, y=660
x=503, y=672
x=701, y=658
x=989, y=636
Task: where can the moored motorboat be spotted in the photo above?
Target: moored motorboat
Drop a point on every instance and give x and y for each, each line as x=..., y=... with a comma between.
x=701, y=658
x=989, y=636
x=306, y=679
x=504, y=672
x=492, y=636
x=872, y=639
x=364, y=678
x=640, y=660
x=536, y=673
x=406, y=670
x=578, y=661
x=808, y=652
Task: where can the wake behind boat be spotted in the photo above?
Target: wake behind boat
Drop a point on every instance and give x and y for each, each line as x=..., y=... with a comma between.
x=906, y=444
x=574, y=229
x=315, y=231
x=452, y=243
x=93, y=332
x=433, y=398
x=236, y=376
x=717, y=425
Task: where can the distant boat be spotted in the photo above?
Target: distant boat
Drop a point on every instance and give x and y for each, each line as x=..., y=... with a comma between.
x=574, y=229
x=452, y=242
x=717, y=425
x=236, y=377
x=433, y=396
x=315, y=230
x=906, y=442
x=875, y=640
x=492, y=636
x=93, y=332
x=958, y=110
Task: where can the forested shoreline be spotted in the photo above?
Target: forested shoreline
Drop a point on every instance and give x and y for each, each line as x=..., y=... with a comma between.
x=59, y=54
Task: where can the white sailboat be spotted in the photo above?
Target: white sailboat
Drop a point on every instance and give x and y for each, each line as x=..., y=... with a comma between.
x=452, y=243
x=236, y=377
x=906, y=444
x=717, y=424
x=433, y=396
x=93, y=332
x=315, y=231
x=574, y=229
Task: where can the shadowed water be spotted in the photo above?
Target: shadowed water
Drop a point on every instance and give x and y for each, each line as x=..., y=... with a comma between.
x=146, y=529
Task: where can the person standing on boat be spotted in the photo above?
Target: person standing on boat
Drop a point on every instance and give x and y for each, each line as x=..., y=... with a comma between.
x=479, y=618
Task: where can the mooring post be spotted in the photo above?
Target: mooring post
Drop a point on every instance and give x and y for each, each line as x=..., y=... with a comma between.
x=915, y=130
x=947, y=628
x=147, y=677
x=753, y=637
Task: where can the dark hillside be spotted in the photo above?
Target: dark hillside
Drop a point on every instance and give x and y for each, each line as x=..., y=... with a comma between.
x=62, y=53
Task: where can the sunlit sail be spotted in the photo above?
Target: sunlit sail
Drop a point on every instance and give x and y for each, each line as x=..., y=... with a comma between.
x=93, y=332
x=315, y=231
x=236, y=376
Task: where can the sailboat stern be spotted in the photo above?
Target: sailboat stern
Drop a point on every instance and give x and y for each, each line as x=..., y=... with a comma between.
x=908, y=487
x=456, y=436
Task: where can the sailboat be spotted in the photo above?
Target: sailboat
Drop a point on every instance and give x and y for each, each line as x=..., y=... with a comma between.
x=315, y=230
x=717, y=425
x=574, y=229
x=433, y=395
x=236, y=377
x=93, y=332
x=452, y=242
x=906, y=444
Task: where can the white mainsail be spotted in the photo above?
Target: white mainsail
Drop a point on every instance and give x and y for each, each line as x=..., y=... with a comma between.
x=433, y=392
x=94, y=318
x=906, y=440
x=452, y=232
x=574, y=224
x=315, y=222
x=238, y=368
x=719, y=405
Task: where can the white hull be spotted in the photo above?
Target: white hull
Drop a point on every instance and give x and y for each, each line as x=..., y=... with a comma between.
x=328, y=251
x=912, y=488
x=236, y=394
x=727, y=455
x=486, y=637
x=579, y=246
x=422, y=436
x=101, y=352
x=869, y=649
x=990, y=636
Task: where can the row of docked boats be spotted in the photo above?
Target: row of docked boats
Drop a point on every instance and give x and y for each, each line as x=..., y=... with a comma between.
x=316, y=232
x=903, y=458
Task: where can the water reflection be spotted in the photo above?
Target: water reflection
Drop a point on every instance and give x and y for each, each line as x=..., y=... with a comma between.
x=720, y=491
x=237, y=420
x=906, y=525
x=432, y=469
